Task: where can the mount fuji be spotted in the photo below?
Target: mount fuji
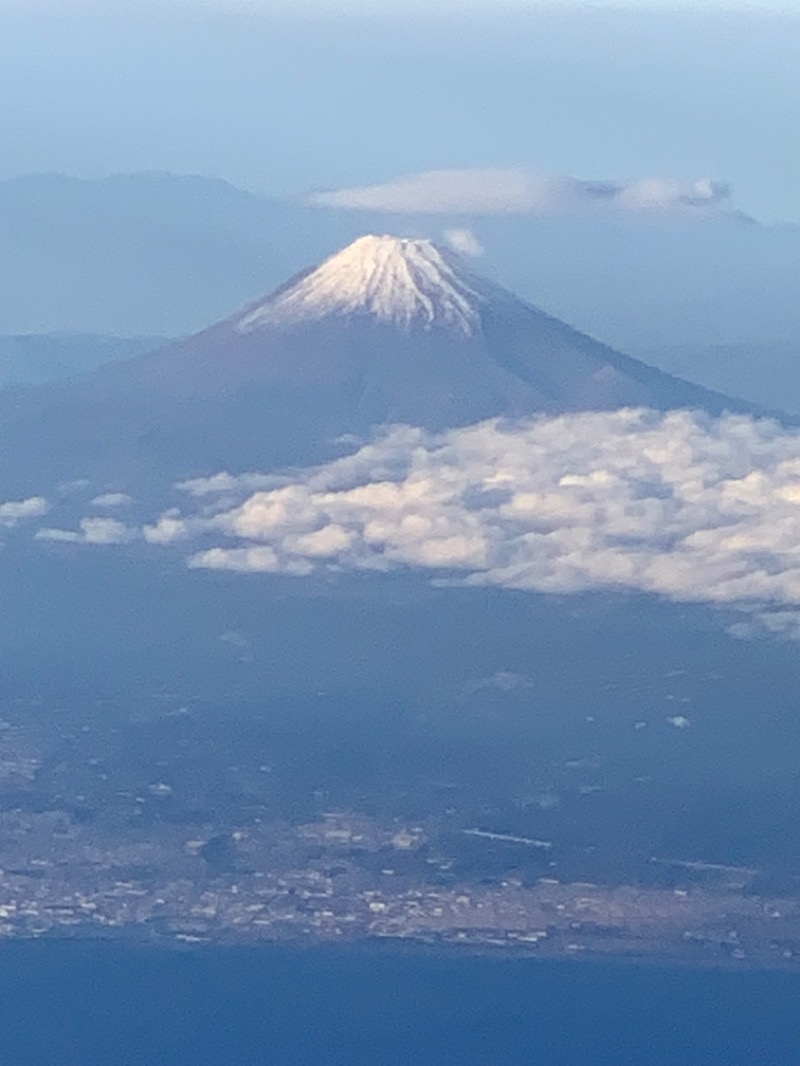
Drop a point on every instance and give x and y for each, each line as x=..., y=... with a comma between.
x=387, y=330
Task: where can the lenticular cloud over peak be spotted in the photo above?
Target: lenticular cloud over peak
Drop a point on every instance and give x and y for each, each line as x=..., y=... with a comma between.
x=522, y=191
x=677, y=504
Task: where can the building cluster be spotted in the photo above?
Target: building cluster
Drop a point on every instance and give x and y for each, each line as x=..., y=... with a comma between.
x=318, y=888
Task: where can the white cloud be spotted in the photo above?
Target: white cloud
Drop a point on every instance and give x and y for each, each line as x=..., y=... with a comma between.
x=91, y=531
x=225, y=482
x=464, y=241
x=680, y=721
x=521, y=191
x=660, y=194
x=248, y=561
x=679, y=505
x=15, y=511
x=105, y=531
x=112, y=499
x=168, y=528
x=66, y=535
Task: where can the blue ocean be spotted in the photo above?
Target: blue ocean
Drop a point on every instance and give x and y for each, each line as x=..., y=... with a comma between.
x=94, y=1004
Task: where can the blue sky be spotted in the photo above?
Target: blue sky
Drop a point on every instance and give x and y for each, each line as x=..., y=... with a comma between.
x=283, y=103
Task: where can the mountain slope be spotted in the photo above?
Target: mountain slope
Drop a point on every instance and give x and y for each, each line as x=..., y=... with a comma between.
x=388, y=329
x=31, y=358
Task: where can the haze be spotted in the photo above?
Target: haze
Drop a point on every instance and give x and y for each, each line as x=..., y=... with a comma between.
x=285, y=102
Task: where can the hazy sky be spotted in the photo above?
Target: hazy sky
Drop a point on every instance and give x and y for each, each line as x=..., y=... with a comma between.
x=284, y=103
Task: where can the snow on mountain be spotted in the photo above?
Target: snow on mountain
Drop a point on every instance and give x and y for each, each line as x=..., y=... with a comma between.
x=399, y=281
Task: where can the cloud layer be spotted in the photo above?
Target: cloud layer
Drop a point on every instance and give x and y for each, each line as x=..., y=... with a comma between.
x=680, y=505
x=500, y=191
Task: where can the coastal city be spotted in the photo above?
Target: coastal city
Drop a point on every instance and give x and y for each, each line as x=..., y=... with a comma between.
x=137, y=866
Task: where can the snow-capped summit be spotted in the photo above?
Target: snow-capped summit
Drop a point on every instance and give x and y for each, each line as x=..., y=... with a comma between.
x=400, y=281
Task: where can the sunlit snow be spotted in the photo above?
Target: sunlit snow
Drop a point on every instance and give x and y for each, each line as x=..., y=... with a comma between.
x=396, y=280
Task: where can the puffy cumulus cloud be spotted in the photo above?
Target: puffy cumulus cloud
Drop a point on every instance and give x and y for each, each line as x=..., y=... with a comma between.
x=12, y=512
x=678, y=504
x=521, y=191
x=169, y=528
x=112, y=500
x=91, y=531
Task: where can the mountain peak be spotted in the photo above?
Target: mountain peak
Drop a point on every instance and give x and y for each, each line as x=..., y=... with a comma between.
x=397, y=280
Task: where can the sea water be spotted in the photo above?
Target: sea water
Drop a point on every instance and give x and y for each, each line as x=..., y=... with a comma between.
x=95, y=1004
